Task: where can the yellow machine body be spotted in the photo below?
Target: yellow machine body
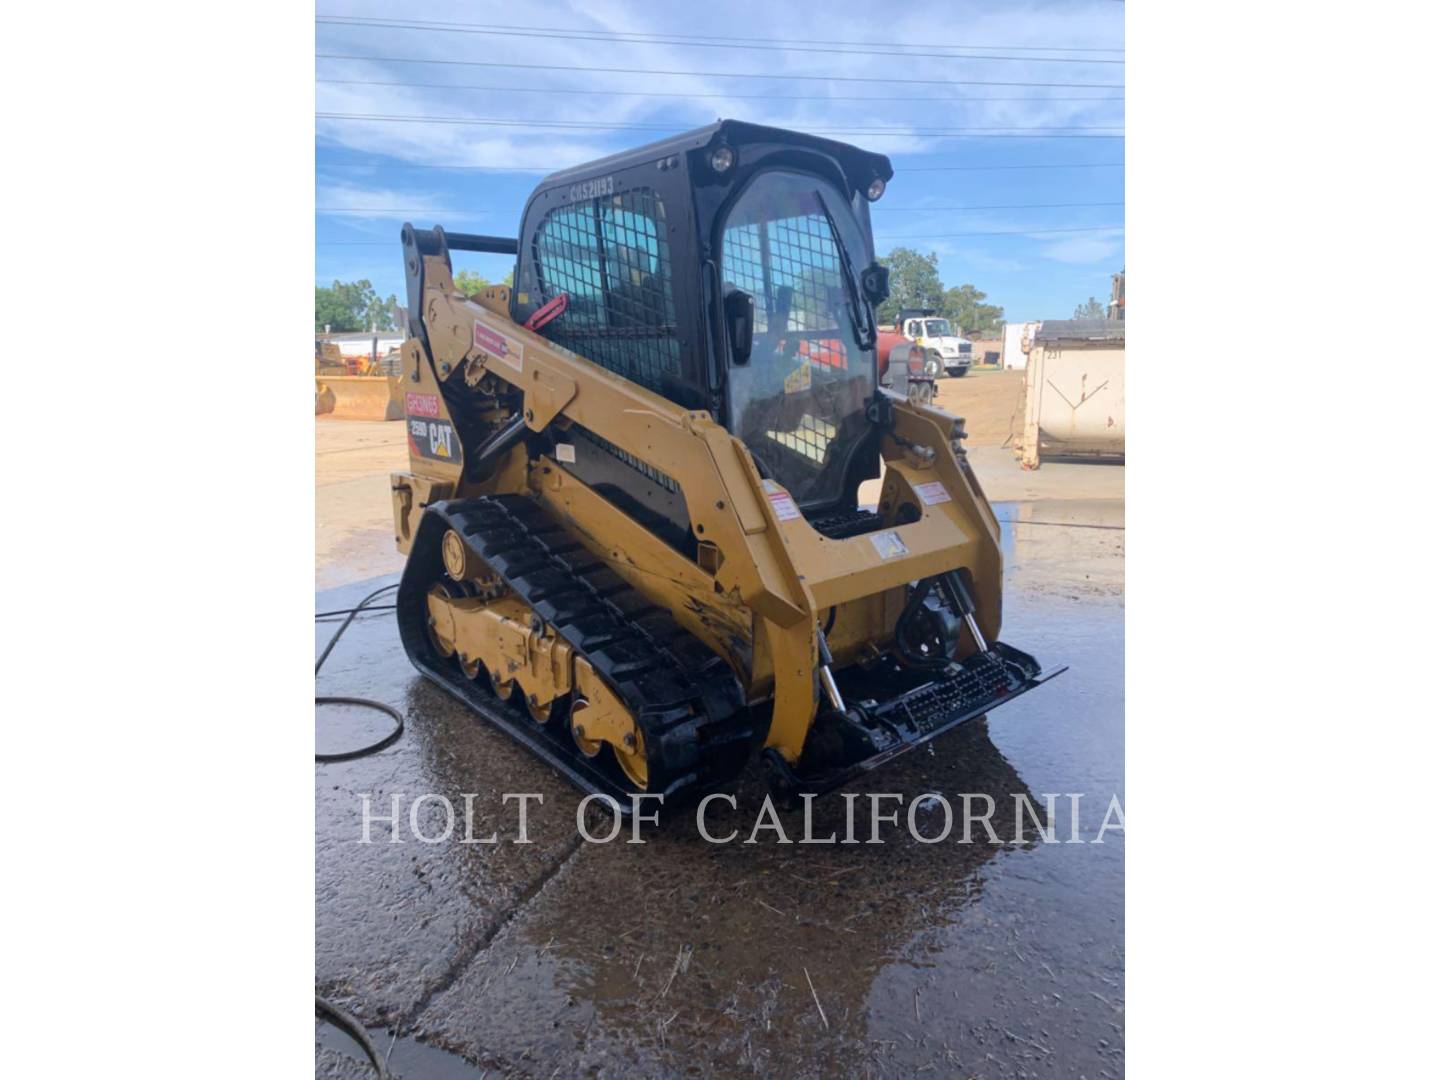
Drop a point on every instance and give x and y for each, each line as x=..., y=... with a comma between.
x=787, y=608
x=769, y=580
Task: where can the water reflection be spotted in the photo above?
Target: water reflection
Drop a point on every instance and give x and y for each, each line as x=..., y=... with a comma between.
x=681, y=956
x=639, y=953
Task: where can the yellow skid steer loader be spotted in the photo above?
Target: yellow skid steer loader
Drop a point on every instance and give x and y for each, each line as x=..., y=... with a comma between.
x=632, y=521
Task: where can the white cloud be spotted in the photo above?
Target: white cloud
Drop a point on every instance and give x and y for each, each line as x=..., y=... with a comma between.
x=811, y=105
x=975, y=259
x=356, y=202
x=895, y=123
x=1085, y=247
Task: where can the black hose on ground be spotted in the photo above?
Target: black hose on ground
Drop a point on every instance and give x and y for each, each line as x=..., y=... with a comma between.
x=324, y=615
x=364, y=703
x=371, y=748
x=346, y=624
x=345, y=1022
x=324, y=1009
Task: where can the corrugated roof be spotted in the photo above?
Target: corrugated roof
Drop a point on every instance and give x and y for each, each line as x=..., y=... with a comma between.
x=1081, y=330
x=357, y=335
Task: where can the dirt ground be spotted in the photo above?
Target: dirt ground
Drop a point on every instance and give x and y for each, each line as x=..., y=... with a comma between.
x=991, y=402
x=354, y=531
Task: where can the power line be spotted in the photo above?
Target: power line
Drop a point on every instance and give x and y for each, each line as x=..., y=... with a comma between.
x=611, y=38
x=557, y=168
x=600, y=124
x=735, y=97
x=1008, y=232
x=988, y=168
x=873, y=209
x=718, y=74
x=997, y=206
x=887, y=239
x=398, y=210
x=1009, y=132
x=653, y=36
x=418, y=165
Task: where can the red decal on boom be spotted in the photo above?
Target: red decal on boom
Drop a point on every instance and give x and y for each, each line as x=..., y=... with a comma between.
x=490, y=341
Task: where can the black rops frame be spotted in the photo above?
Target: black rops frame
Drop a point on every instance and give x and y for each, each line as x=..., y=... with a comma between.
x=696, y=199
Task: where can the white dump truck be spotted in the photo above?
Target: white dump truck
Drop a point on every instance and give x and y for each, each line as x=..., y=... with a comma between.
x=938, y=338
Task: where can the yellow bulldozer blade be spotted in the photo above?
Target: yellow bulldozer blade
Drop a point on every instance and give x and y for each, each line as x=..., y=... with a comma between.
x=359, y=397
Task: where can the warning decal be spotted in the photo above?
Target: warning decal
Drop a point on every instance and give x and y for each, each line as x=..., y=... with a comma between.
x=434, y=439
x=498, y=345
x=889, y=544
x=932, y=493
x=422, y=405
x=780, y=500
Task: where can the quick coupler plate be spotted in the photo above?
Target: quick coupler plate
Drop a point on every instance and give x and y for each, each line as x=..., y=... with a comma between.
x=892, y=710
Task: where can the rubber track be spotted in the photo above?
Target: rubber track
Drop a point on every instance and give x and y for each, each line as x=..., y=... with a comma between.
x=687, y=701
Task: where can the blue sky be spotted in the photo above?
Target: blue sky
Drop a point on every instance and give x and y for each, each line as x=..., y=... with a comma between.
x=368, y=180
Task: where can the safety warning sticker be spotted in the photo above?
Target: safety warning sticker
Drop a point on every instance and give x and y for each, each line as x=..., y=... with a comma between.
x=932, y=493
x=434, y=439
x=497, y=345
x=889, y=544
x=780, y=500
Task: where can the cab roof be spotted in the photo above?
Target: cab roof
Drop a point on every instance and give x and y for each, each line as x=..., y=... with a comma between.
x=861, y=166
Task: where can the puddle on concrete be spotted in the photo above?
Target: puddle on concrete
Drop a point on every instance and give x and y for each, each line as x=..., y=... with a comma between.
x=1098, y=514
x=407, y=1057
x=680, y=956
x=340, y=729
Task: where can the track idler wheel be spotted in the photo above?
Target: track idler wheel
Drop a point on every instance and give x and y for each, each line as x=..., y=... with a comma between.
x=587, y=746
x=630, y=756
x=632, y=760
x=501, y=687
x=548, y=712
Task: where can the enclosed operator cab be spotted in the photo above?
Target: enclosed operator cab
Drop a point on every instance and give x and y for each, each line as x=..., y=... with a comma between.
x=730, y=269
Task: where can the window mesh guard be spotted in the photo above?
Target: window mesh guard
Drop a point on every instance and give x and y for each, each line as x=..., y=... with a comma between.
x=791, y=266
x=612, y=257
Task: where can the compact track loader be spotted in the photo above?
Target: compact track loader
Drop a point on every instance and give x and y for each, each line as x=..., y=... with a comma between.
x=632, y=520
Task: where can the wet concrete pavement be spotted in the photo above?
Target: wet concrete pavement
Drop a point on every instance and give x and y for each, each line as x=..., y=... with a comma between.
x=680, y=957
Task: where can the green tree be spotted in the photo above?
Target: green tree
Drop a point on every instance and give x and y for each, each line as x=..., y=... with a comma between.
x=967, y=311
x=914, y=282
x=352, y=305
x=1091, y=309
x=470, y=283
